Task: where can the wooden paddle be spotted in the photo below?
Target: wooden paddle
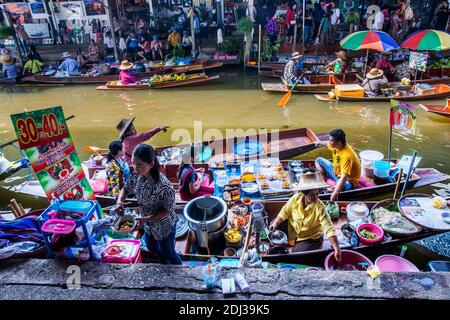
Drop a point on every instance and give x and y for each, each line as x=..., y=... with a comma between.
x=94, y=149
x=284, y=100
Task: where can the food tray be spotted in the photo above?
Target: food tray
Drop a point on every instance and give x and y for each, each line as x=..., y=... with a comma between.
x=273, y=177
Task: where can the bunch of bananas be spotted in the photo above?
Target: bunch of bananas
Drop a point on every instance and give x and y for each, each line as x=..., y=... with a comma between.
x=233, y=235
x=179, y=77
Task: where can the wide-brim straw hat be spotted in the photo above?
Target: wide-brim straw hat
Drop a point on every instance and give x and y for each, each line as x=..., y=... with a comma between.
x=126, y=65
x=66, y=55
x=374, y=73
x=6, y=59
x=295, y=55
x=310, y=181
x=341, y=54
x=123, y=126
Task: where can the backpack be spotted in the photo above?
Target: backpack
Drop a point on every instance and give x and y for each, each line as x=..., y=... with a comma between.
x=409, y=14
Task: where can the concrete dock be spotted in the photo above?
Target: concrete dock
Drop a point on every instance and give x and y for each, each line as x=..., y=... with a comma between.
x=25, y=279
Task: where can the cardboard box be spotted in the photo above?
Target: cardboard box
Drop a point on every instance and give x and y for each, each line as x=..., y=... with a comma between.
x=349, y=90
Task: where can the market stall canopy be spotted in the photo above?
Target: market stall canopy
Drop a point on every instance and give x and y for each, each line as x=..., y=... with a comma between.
x=427, y=40
x=375, y=40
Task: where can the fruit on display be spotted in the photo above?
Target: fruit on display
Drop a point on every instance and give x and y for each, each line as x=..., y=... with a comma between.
x=441, y=63
x=168, y=77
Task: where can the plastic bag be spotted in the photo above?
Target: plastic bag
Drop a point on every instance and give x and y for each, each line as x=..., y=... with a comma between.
x=20, y=247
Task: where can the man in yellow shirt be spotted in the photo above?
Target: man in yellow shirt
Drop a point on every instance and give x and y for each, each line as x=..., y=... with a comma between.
x=346, y=167
x=308, y=221
x=173, y=39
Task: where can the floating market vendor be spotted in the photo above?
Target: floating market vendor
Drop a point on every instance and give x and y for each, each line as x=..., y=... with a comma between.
x=130, y=138
x=9, y=68
x=193, y=183
x=339, y=65
x=156, y=47
x=32, y=66
x=117, y=169
x=125, y=76
x=156, y=204
x=69, y=65
x=307, y=218
x=292, y=70
x=373, y=82
x=385, y=65
x=346, y=167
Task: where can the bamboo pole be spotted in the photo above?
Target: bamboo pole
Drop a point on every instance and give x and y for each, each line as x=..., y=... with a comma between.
x=303, y=28
x=259, y=49
x=294, y=41
x=399, y=180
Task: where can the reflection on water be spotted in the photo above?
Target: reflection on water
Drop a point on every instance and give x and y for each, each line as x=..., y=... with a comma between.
x=235, y=101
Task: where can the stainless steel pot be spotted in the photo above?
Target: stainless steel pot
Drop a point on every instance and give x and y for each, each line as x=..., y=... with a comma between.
x=206, y=212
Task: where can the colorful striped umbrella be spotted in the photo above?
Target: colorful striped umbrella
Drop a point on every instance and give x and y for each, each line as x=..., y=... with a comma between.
x=375, y=40
x=427, y=40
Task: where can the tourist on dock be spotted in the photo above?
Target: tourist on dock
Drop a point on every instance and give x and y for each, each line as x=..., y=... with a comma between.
x=186, y=43
x=69, y=65
x=290, y=21
x=318, y=14
x=373, y=82
x=346, y=167
x=123, y=47
x=130, y=138
x=94, y=52
x=156, y=201
x=384, y=64
x=132, y=46
x=271, y=29
x=125, y=76
x=307, y=219
x=146, y=48
x=9, y=68
x=193, y=182
x=156, y=47
x=378, y=21
x=441, y=15
x=335, y=20
x=352, y=20
x=370, y=23
x=395, y=25
x=309, y=24
x=32, y=66
x=117, y=169
x=339, y=65
x=173, y=40
x=324, y=29
x=109, y=44
x=292, y=72
x=35, y=54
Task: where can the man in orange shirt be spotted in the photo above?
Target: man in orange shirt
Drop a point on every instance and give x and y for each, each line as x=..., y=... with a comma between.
x=346, y=167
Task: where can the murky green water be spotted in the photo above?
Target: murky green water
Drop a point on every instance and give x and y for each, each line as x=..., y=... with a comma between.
x=235, y=101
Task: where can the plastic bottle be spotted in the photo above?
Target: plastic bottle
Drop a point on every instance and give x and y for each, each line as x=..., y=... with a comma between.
x=55, y=203
x=354, y=241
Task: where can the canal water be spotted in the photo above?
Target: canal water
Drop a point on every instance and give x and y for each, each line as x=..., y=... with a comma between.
x=236, y=101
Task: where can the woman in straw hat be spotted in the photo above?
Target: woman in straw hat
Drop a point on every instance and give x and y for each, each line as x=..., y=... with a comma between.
x=339, y=65
x=373, y=82
x=9, y=68
x=125, y=76
x=131, y=138
x=307, y=218
x=69, y=65
x=292, y=70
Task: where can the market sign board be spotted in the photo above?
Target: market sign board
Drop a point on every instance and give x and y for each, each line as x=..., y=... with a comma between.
x=403, y=116
x=45, y=138
x=418, y=61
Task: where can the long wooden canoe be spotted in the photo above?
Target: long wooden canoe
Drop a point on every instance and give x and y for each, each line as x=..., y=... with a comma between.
x=197, y=80
x=103, y=79
x=441, y=91
x=319, y=83
x=441, y=110
x=8, y=81
x=186, y=245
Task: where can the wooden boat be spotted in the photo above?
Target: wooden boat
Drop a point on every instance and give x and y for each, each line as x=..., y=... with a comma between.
x=8, y=81
x=39, y=78
x=186, y=245
x=440, y=91
x=195, y=79
x=441, y=110
x=319, y=83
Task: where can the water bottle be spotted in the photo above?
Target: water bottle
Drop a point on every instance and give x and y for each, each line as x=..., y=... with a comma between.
x=354, y=241
x=55, y=203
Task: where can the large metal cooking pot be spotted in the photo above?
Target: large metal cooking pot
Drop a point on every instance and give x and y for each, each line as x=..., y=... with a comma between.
x=208, y=210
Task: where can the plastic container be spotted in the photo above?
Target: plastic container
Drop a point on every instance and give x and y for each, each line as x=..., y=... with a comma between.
x=59, y=226
x=122, y=251
x=368, y=158
x=371, y=227
x=381, y=169
x=76, y=206
x=349, y=90
x=391, y=263
x=349, y=258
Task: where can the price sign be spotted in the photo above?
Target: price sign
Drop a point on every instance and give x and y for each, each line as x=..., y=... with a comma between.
x=45, y=139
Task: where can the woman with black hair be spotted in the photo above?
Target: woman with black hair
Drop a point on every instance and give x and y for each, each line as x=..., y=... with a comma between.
x=117, y=170
x=193, y=182
x=156, y=201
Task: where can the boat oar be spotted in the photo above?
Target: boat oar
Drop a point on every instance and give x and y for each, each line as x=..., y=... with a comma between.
x=399, y=181
x=94, y=149
x=284, y=100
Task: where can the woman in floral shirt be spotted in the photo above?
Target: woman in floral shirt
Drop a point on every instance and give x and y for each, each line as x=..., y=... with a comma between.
x=117, y=170
x=156, y=201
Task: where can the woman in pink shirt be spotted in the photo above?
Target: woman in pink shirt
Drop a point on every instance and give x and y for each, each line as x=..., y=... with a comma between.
x=125, y=76
x=289, y=20
x=130, y=138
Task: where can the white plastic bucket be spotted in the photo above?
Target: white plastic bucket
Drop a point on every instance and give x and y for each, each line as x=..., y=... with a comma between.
x=368, y=158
